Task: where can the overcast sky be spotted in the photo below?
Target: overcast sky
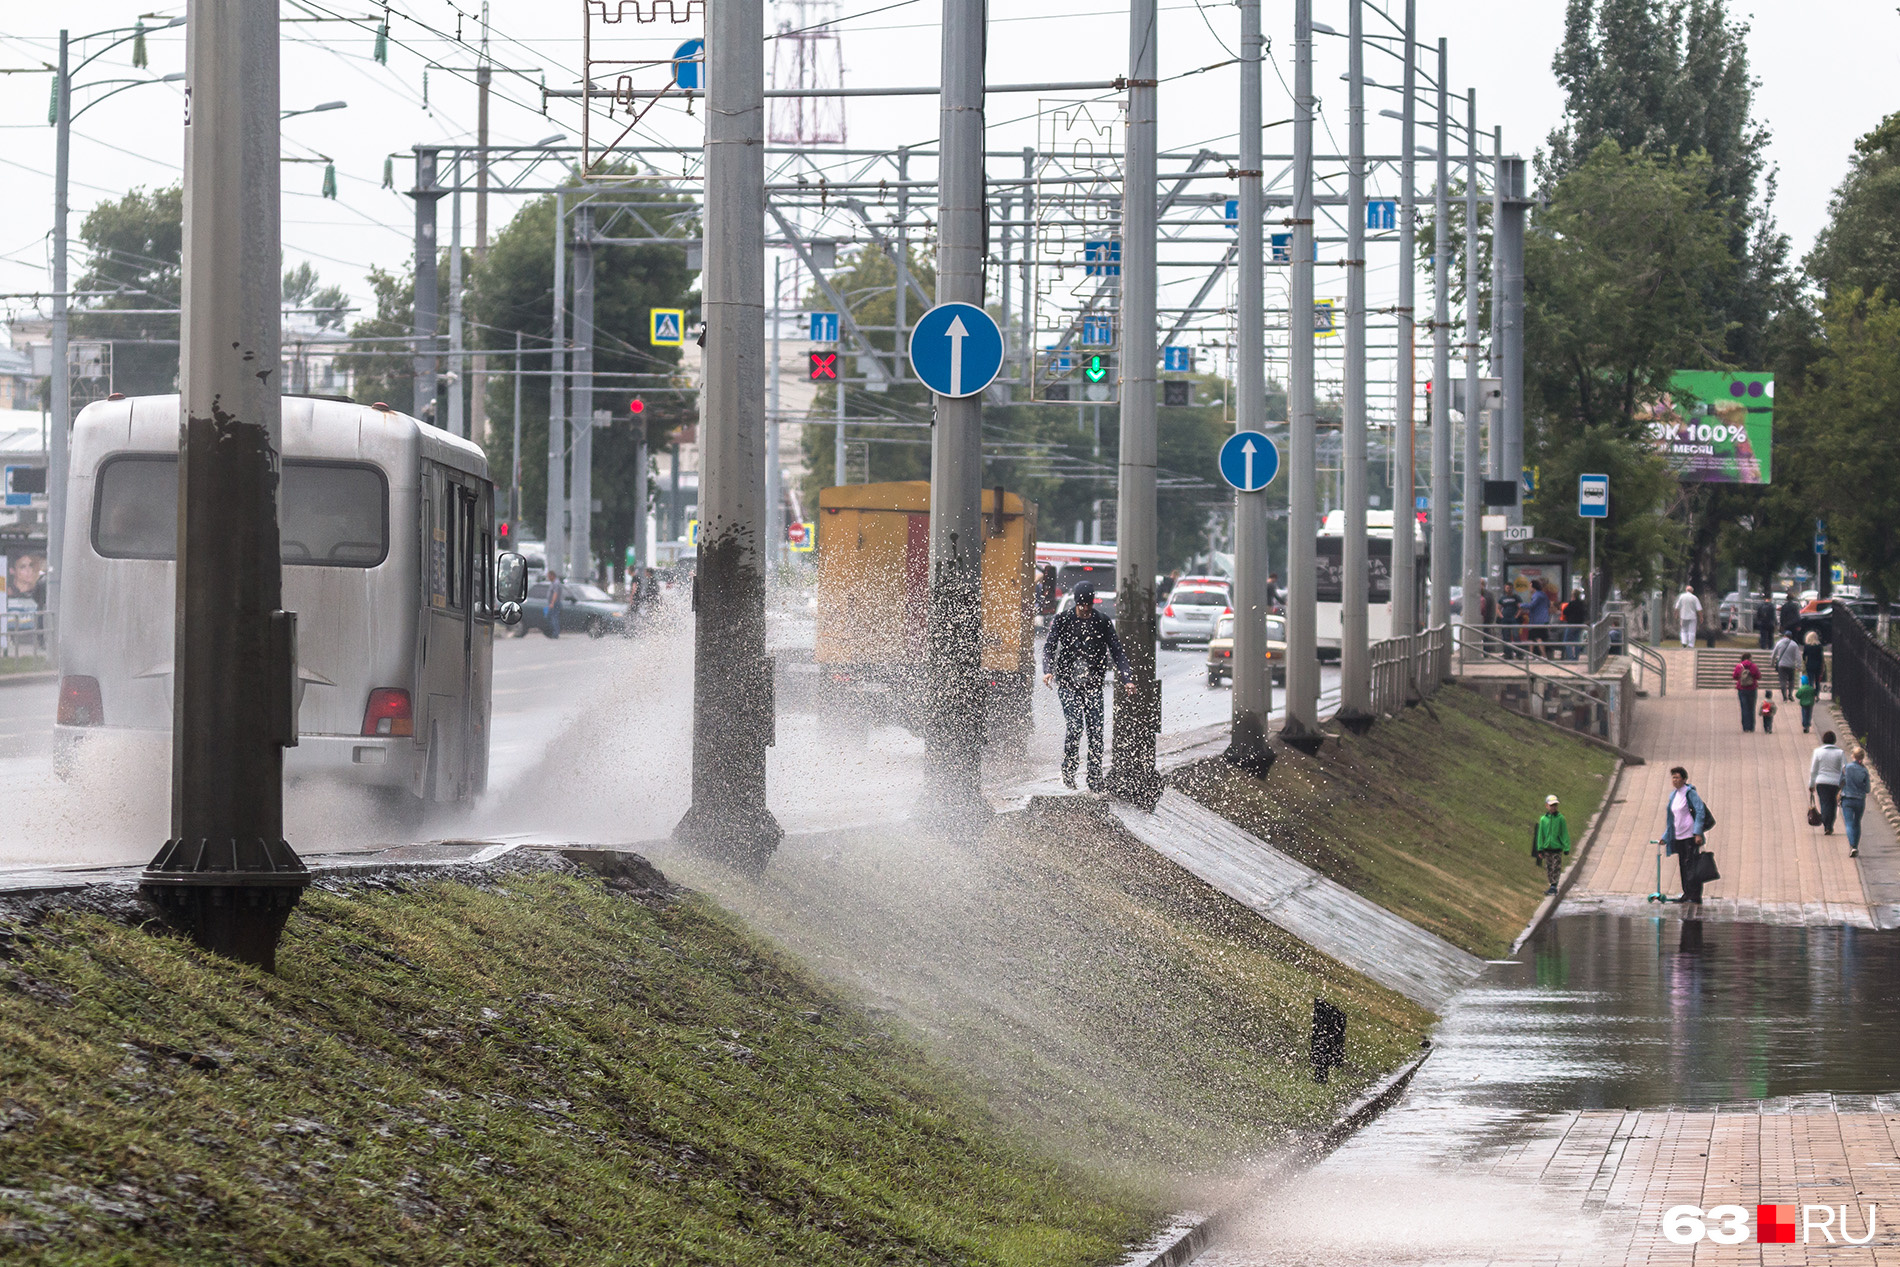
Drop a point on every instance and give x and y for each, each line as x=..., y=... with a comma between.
x=1822, y=84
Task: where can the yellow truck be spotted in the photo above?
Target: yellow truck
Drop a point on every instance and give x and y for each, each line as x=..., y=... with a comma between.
x=874, y=600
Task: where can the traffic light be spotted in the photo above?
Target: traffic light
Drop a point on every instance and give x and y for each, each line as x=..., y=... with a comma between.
x=1095, y=367
x=504, y=534
x=824, y=367
x=1177, y=392
x=636, y=406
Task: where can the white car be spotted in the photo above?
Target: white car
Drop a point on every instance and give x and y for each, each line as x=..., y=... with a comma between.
x=1190, y=614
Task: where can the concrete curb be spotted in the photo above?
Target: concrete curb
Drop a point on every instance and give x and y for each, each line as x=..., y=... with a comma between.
x=1193, y=1235
x=28, y=679
x=1575, y=869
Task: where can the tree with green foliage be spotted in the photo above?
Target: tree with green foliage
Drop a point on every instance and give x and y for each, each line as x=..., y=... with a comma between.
x=512, y=289
x=1618, y=269
x=1860, y=247
x=135, y=253
x=384, y=371
x=1849, y=447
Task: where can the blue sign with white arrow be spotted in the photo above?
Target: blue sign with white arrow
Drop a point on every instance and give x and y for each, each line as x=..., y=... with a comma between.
x=1248, y=461
x=824, y=327
x=956, y=349
x=689, y=65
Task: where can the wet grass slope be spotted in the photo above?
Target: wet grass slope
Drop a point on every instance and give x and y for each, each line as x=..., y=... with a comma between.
x=516, y=1068
x=1428, y=814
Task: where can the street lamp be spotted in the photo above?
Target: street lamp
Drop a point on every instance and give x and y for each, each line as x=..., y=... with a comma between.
x=63, y=116
x=328, y=105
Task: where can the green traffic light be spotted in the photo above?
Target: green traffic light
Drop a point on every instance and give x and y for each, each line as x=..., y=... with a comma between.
x=1095, y=371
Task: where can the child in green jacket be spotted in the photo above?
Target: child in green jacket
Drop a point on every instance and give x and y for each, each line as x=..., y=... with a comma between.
x=1805, y=695
x=1550, y=841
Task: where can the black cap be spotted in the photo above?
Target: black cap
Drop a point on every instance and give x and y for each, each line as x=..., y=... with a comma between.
x=1085, y=593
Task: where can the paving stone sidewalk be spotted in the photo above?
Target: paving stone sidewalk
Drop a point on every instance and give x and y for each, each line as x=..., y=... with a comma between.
x=1774, y=866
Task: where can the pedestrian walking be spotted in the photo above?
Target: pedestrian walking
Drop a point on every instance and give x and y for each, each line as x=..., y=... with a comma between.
x=1537, y=611
x=1855, y=783
x=1814, y=659
x=1166, y=587
x=1685, y=822
x=1487, y=605
x=1804, y=695
x=1550, y=841
x=1786, y=657
x=1576, y=616
x=553, y=608
x=1790, y=615
x=1076, y=654
x=1764, y=623
x=1688, y=611
x=1824, y=782
x=1276, y=597
x=1508, y=606
x=1747, y=680
x=1768, y=713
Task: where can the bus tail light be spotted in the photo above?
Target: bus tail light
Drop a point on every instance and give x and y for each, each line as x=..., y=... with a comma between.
x=79, y=701
x=388, y=713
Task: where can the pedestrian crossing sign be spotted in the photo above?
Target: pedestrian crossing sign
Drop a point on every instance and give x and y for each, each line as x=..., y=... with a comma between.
x=668, y=328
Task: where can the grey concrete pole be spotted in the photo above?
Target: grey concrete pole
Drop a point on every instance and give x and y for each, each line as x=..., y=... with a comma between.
x=1253, y=677
x=478, y=371
x=1027, y=353
x=1405, y=428
x=556, y=532
x=427, y=307
x=455, y=421
x=1511, y=247
x=953, y=733
x=1473, y=419
x=1355, y=651
x=1443, y=565
x=227, y=871
x=1494, y=548
x=774, y=472
x=514, y=468
x=901, y=336
x=1138, y=716
x=732, y=675
x=580, y=409
x=60, y=426
x=1301, y=726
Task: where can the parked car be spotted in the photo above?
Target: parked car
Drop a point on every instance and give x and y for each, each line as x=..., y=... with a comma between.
x=1104, y=603
x=585, y=608
x=1220, y=651
x=1190, y=614
x=1818, y=615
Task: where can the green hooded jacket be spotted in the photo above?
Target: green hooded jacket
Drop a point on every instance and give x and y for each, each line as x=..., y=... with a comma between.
x=1553, y=833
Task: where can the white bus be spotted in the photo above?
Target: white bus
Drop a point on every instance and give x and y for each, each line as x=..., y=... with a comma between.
x=1330, y=548
x=387, y=536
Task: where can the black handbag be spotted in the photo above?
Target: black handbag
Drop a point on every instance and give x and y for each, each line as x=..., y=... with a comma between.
x=1705, y=868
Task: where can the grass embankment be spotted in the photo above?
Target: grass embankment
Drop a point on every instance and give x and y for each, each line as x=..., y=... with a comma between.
x=1106, y=1001
x=1428, y=814
x=527, y=1068
x=10, y=664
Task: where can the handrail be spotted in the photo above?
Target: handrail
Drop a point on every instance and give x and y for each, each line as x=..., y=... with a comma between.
x=1649, y=658
x=1409, y=667
x=1519, y=651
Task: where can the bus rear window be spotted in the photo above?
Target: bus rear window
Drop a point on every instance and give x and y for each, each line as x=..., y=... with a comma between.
x=333, y=514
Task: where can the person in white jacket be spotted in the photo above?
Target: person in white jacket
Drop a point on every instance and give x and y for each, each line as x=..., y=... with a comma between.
x=1688, y=610
x=1787, y=659
x=1824, y=779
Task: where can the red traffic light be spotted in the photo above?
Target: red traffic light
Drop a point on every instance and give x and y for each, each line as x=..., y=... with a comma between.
x=503, y=530
x=824, y=367
x=636, y=406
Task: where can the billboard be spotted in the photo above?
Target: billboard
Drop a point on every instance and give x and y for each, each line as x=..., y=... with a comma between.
x=1714, y=427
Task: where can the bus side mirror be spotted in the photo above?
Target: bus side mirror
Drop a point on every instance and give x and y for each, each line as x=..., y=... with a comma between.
x=511, y=579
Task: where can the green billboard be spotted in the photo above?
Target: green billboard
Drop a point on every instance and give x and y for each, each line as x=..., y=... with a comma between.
x=1714, y=427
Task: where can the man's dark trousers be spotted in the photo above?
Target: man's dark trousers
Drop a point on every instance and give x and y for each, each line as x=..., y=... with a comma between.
x=1081, y=710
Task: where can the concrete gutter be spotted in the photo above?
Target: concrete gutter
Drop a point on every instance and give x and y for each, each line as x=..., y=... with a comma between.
x=1575, y=869
x=1191, y=1235
x=28, y=679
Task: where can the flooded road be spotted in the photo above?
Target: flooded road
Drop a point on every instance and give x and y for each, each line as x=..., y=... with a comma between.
x=1616, y=1065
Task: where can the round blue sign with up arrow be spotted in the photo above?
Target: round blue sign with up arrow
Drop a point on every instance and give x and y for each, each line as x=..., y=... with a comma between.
x=1249, y=461
x=956, y=349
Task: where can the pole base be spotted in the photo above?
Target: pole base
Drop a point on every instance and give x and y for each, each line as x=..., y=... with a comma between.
x=1249, y=749
x=1138, y=785
x=1357, y=722
x=963, y=815
x=233, y=896
x=1307, y=741
x=741, y=838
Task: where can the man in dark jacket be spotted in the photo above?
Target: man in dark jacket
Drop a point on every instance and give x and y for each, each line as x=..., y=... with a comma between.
x=1077, y=652
x=1790, y=615
x=1765, y=624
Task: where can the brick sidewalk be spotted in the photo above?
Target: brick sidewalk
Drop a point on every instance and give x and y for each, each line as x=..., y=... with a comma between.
x=1774, y=866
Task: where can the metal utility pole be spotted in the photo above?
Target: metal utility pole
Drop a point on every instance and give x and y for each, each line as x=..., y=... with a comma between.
x=774, y=472
x=426, y=193
x=478, y=371
x=453, y=376
x=1442, y=565
x=60, y=427
x=514, y=468
x=1510, y=247
x=1138, y=716
x=556, y=531
x=580, y=497
x=1494, y=555
x=1473, y=491
x=953, y=736
x=1355, y=646
x=1301, y=726
x=732, y=676
x=1253, y=677
x=227, y=872
x=1405, y=474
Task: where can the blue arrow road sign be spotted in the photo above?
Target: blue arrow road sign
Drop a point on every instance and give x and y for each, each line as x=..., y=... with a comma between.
x=1249, y=461
x=1098, y=332
x=1177, y=360
x=1593, y=496
x=689, y=65
x=956, y=349
x=824, y=327
x=1381, y=213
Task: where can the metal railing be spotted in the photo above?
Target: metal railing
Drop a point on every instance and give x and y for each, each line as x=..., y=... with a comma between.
x=1867, y=692
x=1548, y=684
x=25, y=633
x=1409, y=667
x=1556, y=640
x=1647, y=660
